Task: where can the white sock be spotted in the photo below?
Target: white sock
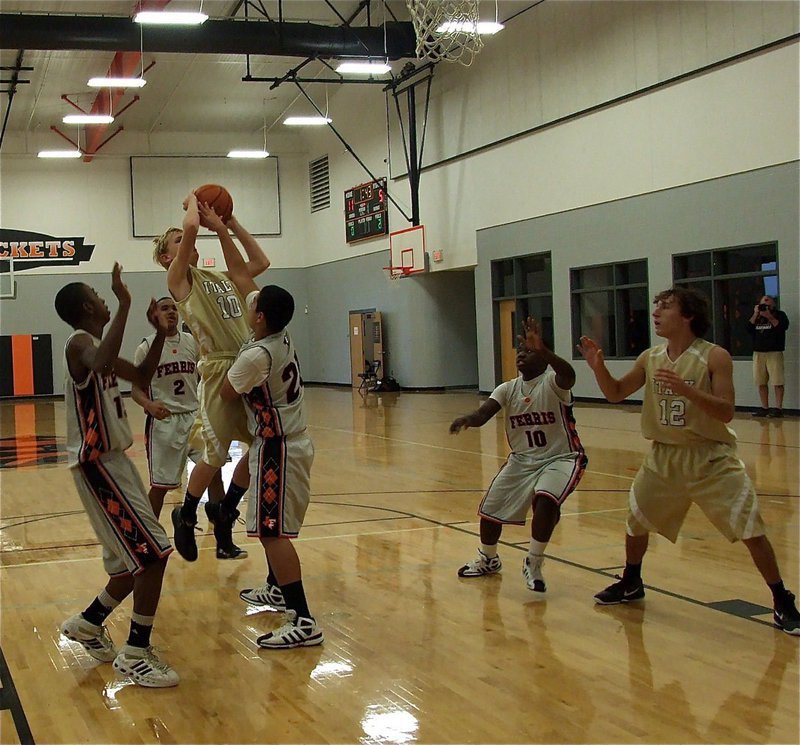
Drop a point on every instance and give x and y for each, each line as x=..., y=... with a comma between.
x=537, y=548
x=490, y=551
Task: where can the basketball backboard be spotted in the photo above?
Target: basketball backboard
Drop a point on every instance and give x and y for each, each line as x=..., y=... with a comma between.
x=407, y=252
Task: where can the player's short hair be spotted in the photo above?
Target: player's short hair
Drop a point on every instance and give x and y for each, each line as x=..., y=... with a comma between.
x=693, y=304
x=69, y=303
x=277, y=305
x=160, y=243
x=165, y=297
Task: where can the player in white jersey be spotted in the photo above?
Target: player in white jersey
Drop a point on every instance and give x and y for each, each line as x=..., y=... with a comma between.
x=267, y=374
x=170, y=403
x=546, y=462
x=135, y=546
x=688, y=400
x=213, y=308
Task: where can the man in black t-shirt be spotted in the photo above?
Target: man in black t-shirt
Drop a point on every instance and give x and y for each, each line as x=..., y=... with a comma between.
x=768, y=327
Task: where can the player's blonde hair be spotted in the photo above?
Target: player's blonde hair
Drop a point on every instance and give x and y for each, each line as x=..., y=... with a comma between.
x=160, y=243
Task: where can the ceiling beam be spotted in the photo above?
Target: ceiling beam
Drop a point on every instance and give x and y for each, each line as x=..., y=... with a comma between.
x=230, y=36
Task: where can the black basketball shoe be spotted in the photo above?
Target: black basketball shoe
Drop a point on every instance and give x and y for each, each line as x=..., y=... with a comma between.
x=183, y=536
x=624, y=591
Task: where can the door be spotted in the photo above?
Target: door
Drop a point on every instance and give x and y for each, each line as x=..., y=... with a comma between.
x=366, y=343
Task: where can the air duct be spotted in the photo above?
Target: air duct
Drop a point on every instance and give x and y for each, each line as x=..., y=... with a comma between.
x=230, y=36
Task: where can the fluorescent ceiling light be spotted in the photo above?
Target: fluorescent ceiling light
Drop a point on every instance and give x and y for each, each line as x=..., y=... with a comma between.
x=165, y=17
x=248, y=154
x=483, y=27
x=306, y=121
x=88, y=119
x=369, y=68
x=116, y=82
x=60, y=153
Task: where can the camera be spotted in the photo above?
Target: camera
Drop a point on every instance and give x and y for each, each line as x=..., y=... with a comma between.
x=763, y=306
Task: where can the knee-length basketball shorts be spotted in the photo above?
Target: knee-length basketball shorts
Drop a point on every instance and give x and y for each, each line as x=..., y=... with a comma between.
x=280, y=485
x=167, y=445
x=711, y=476
x=119, y=511
x=520, y=481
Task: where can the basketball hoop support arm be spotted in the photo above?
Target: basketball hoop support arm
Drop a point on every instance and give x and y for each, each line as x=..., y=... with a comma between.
x=351, y=151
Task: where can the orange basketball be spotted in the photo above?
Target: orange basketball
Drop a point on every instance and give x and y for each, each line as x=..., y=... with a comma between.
x=218, y=198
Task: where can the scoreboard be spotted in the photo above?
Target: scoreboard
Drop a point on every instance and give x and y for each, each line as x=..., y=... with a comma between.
x=365, y=211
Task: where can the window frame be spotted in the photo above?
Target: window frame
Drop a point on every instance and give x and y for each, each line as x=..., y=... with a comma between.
x=614, y=288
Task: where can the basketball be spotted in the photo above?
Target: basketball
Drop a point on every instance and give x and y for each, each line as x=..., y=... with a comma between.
x=218, y=198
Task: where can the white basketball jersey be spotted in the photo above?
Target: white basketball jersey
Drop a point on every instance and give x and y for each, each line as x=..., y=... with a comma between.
x=275, y=407
x=539, y=420
x=174, y=382
x=96, y=419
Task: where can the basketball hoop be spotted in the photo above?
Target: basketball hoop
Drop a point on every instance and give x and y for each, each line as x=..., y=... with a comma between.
x=396, y=272
x=446, y=30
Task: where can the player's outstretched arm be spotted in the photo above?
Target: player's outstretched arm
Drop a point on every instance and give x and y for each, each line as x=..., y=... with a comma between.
x=179, y=266
x=477, y=418
x=237, y=272
x=82, y=356
x=140, y=375
x=532, y=339
x=257, y=261
x=613, y=389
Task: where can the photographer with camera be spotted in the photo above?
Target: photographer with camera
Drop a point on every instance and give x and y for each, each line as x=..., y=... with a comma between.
x=768, y=327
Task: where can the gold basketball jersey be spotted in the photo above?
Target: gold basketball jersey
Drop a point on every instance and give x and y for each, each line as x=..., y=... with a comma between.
x=672, y=419
x=215, y=312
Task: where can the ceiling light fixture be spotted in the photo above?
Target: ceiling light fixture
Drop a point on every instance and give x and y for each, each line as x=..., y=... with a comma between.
x=59, y=154
x=248, y=154
x=486, y=28
x=307, y=121
x=167, y=18
x=361, y=67
x=116, y=82
x=88, y=119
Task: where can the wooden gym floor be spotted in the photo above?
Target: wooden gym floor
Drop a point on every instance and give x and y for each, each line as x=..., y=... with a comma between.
x=412, y=652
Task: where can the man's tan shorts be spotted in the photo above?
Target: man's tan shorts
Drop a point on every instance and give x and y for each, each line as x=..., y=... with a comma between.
x=218, y=422
x=711, y=476
x=768, y=368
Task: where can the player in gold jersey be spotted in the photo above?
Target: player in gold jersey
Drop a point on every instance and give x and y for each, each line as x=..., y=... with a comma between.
x=688, y=401
x=214, y=310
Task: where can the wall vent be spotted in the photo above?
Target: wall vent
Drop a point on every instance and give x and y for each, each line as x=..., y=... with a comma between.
x=319, y=184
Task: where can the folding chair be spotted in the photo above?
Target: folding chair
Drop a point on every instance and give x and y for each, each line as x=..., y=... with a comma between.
x=369, y=377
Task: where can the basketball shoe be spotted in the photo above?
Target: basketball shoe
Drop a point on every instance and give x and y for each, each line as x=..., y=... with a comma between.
x=270, y=595
x=183, y=535
x=94, y=639
x=786, y=616
x=623, y=591
x=532, y=571
x=142, y=665
x=297, y=632
x=480, y=566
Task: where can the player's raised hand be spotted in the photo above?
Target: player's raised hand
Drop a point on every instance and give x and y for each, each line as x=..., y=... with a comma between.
x=191, y=199
x=591, y=352
x=531, y=336
x=458, y=424
x=119, y=288
x=209, y=218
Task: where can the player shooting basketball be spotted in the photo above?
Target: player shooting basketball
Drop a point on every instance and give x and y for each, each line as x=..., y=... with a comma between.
x=213, y=309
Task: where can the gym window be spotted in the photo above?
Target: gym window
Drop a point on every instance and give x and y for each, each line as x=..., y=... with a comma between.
x=733, y=279
x=528, y=281
x=610, y=304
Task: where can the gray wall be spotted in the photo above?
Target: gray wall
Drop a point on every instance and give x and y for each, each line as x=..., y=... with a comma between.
x=751, y=207
x=429, y=321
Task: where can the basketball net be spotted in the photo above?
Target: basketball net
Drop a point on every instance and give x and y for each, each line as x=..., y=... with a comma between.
x=446, y=30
